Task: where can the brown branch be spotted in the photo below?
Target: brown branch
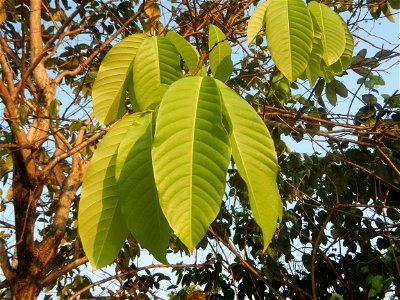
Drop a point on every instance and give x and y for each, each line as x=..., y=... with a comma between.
x=69, y=189
x=388, y=160
x=84, y=64
x=36, y=40
x=74, y=150
x=38, y=59
x=8, y=272
x=55, y=274
x=6, y=71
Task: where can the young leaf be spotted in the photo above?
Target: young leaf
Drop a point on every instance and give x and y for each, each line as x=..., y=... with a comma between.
x=108, y=94
x=255, y=158
x=157, y=65
x=189, y=54
x=220, y=54
x=137, y=190
x=256, y=21
x=191, y=155
x=333, y=33
x=289, y=34
x=101, y=225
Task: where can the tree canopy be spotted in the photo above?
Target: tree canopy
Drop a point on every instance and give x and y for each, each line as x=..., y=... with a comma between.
x=259, y=137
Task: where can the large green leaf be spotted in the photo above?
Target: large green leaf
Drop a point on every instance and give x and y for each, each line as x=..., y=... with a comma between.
x=345, y=60
x=256, y=21
x=189, y=54
x=313, y=67
x=109, y=89
x=137, y=190
x=289, y=34
x=101, y=226
x=255, y=158
x=156, y=66
x=191, y=154
x=333, y=33
x=220, y=54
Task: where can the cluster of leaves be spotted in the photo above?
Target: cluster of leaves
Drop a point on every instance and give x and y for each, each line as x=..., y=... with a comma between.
x=339, y=235
x=305, y=40
x=163, y=168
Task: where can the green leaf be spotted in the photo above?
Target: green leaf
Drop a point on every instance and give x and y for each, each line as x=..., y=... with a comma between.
x=189, y=54
x=220, y=54
x=256, y=21
x=254, y=155
x=289, y=34
x=101, y=226
x=191, y=155
x=313, y=69
x=345, y=60
x=53, y=108
x=331, y=93
x=108, y=94
x=326, y=72
x=333, y=33
x=137, y=190
x=224, y=69
x=157, y=65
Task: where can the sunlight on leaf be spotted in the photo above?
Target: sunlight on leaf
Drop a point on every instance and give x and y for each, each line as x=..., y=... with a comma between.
x=190, y=157
x=101, y=227
x=255, y=158
x=109, y=89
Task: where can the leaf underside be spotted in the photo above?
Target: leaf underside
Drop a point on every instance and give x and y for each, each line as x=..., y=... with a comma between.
x=255, y=158
x=100, y=227
x=289, y=36
x=220, y=54
x=156, y=66
x=345, y=60
x=256, y=21
x=138, y=193
x=190, y=157
x=189, y=54
x=333, y=33
x=108, y=94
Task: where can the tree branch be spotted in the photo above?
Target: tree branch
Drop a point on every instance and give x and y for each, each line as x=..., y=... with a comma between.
x=83, y=65
x=55, y=274
x=8, y=272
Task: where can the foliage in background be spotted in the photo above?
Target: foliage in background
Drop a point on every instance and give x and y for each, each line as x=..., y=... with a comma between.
x=339, y=235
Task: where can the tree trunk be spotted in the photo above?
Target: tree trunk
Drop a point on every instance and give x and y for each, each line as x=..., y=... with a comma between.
x=25, y=288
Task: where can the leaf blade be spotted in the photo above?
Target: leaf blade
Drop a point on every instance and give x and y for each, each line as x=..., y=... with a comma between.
x=137, y=190
x=109, y=87
x=256, y=21
x=333, y=34
x=189, y=54
x=220, y=54
x=254, y=155
x=100, y=227
x=289, y=36
x=156, y=66
x=190, y=150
